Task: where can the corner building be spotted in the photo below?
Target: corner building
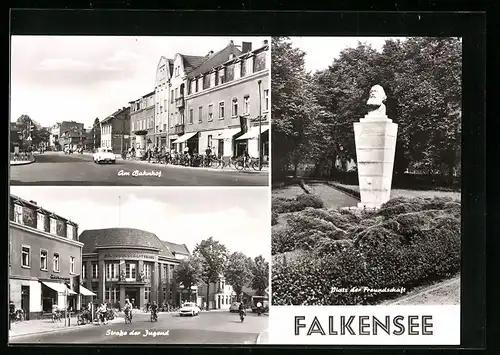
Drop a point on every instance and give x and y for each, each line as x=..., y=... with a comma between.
x=120, y=263
x=224, y=106
x=44, y=259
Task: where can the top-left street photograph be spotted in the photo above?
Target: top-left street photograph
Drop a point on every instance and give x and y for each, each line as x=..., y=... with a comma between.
x=151, y=111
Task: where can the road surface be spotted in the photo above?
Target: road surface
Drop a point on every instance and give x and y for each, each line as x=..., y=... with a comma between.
x=55, y=168
x=207, y=328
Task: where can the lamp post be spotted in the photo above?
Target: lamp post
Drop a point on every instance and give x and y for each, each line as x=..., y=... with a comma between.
x=260, y=124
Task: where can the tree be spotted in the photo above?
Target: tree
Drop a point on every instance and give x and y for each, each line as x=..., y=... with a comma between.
x=188, y=273
x=213, y=256
x=292, y=105
x=260, y=278
x=238, y=272
x=31, y=133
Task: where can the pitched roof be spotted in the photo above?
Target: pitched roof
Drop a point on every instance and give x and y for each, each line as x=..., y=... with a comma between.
x=176, y=248
x=215, y=60
x=34, y=205
x=121, y=237
x=192, y=61
x=116, y=113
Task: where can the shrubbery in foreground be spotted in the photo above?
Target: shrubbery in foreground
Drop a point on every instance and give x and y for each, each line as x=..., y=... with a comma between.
x=285, y=205
x=406, y=243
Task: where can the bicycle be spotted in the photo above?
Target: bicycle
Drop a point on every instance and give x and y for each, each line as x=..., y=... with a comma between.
x=254, y=163
x=244, y=163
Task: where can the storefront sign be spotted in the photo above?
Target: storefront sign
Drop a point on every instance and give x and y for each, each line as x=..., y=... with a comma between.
x=57, y=277
x=129, y=256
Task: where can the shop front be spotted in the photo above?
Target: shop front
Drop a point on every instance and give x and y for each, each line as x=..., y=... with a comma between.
x=189, y=140
x=226, y=142
x=250, y=141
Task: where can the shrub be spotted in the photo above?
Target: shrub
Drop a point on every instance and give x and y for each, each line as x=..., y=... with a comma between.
x=286, y=205
x=405, y=244
x=274, y=218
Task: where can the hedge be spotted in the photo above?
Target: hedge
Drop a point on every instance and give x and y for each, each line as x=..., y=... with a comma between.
x=299, y=203
x=407, y=243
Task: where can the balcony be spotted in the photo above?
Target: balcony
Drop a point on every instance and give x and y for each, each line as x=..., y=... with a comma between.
x=179, y=102
x=179, y=129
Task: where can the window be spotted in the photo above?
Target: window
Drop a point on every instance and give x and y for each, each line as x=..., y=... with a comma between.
x=70, y=231
x=259, y=62
x=222, y=78
x=195, y=85
x=55, y=263
x=111, y=271
x=71, y=264
x=216, y=78
x=165, y=104
x=266, y=100
x=25, y=256
x=230, y=73
x=243, y=68
x=147, y=271
x=43, y=260
x=206, y=81
x=210, y=140
x=18, y=214
x=200, y=114
x=40, y=221
x=221, y=110
x=147, y=293
x=130, y=271
x=95, y=270
x=210, y=112
x=246, y=105
x=172, y=96
x=53, y=226
x=176, y=93
x=84, y=272
x=161, y=109
x=191, y=114
x=164, y=127
x=234, y=111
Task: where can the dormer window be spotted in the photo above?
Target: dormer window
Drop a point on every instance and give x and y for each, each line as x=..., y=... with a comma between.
x=18, y=213
x=40, y=221
x=53, y=226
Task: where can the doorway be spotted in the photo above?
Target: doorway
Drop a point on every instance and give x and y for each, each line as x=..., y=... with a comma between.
x=25, y=301
x=133, y=295
x=220, y=148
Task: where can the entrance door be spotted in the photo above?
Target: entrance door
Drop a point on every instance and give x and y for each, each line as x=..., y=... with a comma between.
x=133, y=295
x=220, y=148
x=25, y=301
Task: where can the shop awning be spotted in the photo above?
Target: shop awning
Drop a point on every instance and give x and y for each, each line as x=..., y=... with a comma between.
x=185, y=137
x=253, y=132
x=59, y=287
x=228, y=133
x=86, y=292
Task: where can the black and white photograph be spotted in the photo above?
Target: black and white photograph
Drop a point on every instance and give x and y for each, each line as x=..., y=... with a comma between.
x=366, y=174
x=148, y=111
x=138, y=265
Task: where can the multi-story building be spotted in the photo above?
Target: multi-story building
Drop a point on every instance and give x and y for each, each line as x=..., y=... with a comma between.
x=121, y=263
x=55, y=133
x=162, y=83
x=227, y=103
x=220, y=295
x=115, y=130
x=71, y=135
x=142, y=123
x=44, y=259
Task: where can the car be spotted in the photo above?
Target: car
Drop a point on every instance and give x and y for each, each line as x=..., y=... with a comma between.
x=189, y=309
x=104, y=155
x=235, y=307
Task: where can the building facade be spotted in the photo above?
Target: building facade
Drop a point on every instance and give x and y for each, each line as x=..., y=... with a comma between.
x=162, y=84
x=115, y=131
x=71, y=135
x=142, y=123
x=227, y=99
x=55, y=132
x=121, y=263
x=44, y=259
x=220, y=295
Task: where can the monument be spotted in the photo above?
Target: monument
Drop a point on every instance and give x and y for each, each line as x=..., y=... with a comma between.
x=375, y=137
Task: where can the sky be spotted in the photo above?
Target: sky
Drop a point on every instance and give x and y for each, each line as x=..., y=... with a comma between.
x=239, y=218
x=79, y=78
x=320, y=51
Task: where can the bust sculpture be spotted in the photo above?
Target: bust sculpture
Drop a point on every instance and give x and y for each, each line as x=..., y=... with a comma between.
x=376, y=101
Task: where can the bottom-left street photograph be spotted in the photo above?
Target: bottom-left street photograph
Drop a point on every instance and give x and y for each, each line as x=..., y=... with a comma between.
x=138, y=265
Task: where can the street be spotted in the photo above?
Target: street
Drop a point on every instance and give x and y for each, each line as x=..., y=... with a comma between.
x=57, y=169
x=219, y=327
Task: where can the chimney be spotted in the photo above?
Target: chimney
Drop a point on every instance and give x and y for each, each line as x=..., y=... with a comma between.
x=246, y=47
x=231, y=43
x=231, y=56
x=264, y=43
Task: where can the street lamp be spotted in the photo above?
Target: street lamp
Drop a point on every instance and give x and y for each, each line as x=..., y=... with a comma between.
x=260, y=124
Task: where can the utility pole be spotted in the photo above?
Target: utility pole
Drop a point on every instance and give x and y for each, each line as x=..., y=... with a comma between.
x=260, y=124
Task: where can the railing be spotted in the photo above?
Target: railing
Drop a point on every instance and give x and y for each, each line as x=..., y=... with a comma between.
x=179, y=102
x=179, y=129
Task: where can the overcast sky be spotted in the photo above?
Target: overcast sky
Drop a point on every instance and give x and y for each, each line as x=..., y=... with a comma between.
x=320, y=51
x=56, y=78
x=237, y=217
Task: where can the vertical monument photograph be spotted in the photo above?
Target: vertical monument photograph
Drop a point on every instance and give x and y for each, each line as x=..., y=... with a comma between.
x=366, y=174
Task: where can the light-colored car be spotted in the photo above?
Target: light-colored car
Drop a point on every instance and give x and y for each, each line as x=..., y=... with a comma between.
x=235, y=307
x=104, y=155
x=189, y=309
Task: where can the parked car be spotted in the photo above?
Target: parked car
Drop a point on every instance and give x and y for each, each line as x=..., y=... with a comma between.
x=235, y=307
x=104, y=155
x=189, y=309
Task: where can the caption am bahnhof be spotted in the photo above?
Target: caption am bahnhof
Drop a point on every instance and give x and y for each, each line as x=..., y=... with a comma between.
x=51, y=264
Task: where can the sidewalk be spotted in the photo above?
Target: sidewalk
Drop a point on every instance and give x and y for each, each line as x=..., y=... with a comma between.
x=23, y=162
x=38, y=326
x=263, y=337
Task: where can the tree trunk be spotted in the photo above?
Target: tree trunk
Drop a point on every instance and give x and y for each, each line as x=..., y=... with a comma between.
x=208, y=293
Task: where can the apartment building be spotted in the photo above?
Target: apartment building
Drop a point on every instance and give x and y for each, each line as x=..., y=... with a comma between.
x=142, y=123
x=115, y=130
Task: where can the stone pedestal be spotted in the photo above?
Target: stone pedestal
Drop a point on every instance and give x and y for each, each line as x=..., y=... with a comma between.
x=375, y=138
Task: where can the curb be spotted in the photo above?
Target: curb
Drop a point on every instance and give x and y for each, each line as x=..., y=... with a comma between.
x=63, y=329
x=199, y=168
x=15, y=163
